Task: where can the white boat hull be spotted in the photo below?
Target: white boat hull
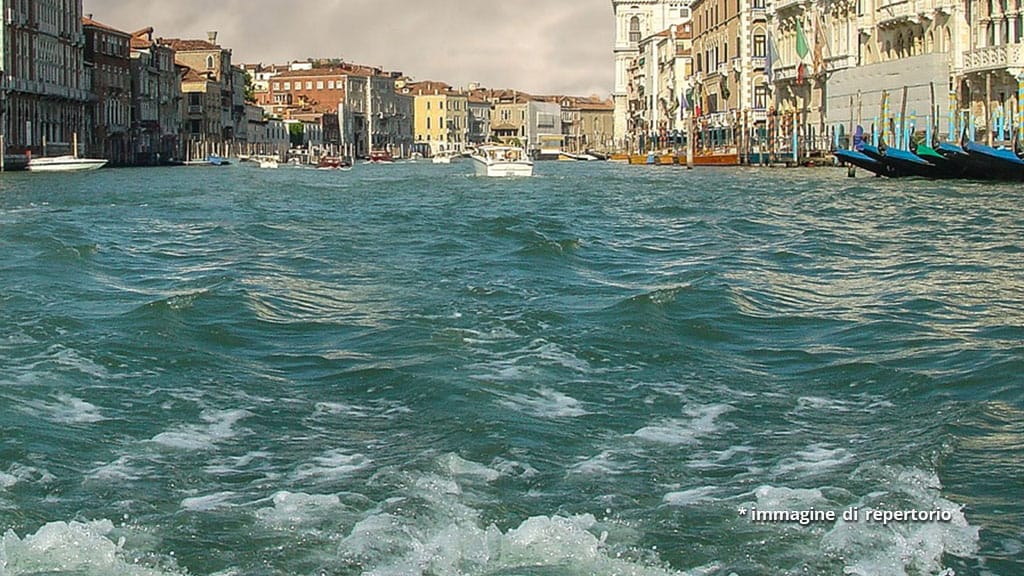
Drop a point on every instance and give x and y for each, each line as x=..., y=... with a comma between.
x=64, y=164
x=502, y=169
x=501, y=162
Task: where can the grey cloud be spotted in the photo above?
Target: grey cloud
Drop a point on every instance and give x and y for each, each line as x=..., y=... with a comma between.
x=540, y=46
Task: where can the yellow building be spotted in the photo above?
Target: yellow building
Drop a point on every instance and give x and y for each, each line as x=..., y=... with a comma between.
x=441, y=116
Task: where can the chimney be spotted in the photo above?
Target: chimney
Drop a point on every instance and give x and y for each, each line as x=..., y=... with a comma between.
x=212, y=35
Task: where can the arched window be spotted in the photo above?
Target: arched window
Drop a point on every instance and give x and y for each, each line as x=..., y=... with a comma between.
x=634, y=29
x=209, y=62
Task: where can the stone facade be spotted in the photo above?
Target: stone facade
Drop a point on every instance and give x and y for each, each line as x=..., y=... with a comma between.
x=45, y=86
x=108, y=53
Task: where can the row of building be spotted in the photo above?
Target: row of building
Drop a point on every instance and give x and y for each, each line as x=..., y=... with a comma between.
x=822, y=65
x=371, y=109
x=135, y=98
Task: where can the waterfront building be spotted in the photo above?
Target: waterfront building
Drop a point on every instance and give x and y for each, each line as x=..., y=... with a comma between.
x=634, y=21
x=319, y=90
x=370, y=114
x=44, y=88
x=658, y=79
x=992, y=68
x=202, y=121
x=209, y=59
x=479, y=116
x=587, y=123
x=389, y=114
x=521, y=119
x=108, y=54
x=267, y=136
x=239, y=143
x=731, y=87
x=836, y=59
x=352, y=116
x=441, y=116
x=156, y=100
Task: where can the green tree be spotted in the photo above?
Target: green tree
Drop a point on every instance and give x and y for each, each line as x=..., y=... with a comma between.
x=295, y=134
x=250, y=89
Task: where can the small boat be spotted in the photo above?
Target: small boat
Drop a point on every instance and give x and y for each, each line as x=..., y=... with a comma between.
x=502, y=161
x=211, y=160
x=570, y=157
x=380, y=157
x=907, y=163
x=333, y=163
x=67, y=163
x=944, y=166
x=266, y=161
x=876, y=154
x=861, y=160
x=994, y=163
x=720, y=157
x=446, y=157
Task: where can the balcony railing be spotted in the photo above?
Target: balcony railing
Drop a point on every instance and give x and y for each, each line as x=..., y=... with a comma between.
x=195, y=109
x=787, y=4
x=994, y=58
x=787, y=72
x=895, y=11
x=757, y=62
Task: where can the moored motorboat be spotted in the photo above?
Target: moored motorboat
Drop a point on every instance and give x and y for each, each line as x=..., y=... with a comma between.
x=445, y=157
x=333, y=163
x=66, y=163
x=265, y=161
x=380, y=157
x=502, y=161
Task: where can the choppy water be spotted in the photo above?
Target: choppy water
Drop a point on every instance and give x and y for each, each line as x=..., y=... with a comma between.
x=407, y=370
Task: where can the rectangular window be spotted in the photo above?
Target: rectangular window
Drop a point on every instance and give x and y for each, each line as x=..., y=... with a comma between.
x=319, y=84
x=761, y=97
x=330, y=84
x=287, y=85
x=309, y=84
x=759, y=46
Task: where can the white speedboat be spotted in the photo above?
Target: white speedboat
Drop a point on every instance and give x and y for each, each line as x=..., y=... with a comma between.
x=266, y=161
x=502, y=161
x=66, y=163
x=446, y=157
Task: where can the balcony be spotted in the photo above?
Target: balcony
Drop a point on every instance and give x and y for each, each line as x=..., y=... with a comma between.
x=758, y=14
x=782, y=5
x=195, y=109
x=758, y=62
x=896, y=12
x=784, y=73
x=994, y=58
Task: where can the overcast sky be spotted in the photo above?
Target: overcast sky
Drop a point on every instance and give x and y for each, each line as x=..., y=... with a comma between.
x=539, y=46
